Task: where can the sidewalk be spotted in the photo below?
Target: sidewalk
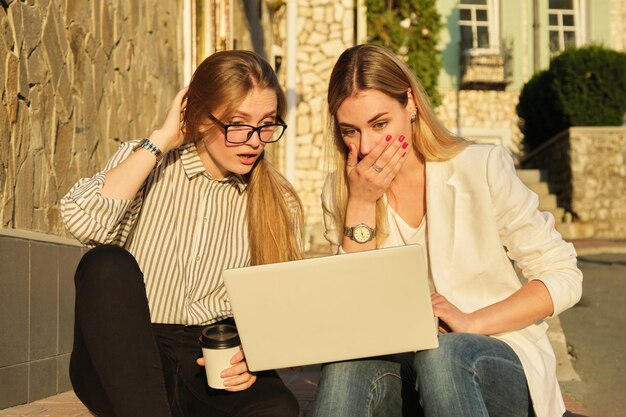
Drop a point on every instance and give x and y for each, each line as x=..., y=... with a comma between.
x=303, y=381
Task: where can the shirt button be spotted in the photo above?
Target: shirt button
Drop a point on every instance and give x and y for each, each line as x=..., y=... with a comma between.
x=197, y=258
x=204, y=220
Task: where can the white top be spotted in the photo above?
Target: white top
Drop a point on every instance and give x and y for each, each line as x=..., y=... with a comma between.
x=412, y=235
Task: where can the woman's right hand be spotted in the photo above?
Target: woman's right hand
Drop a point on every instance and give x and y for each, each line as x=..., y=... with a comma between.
x=171, y=134
x=238, y=377
x=369, y=178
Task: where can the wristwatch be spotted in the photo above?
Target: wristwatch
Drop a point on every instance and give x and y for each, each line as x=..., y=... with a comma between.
x=361, y=233
x=151, y=147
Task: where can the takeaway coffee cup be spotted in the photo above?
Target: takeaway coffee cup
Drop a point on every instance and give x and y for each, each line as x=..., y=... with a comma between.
x=219, y=344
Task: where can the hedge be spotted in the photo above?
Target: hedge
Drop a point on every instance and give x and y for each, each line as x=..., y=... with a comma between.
x=582, y=87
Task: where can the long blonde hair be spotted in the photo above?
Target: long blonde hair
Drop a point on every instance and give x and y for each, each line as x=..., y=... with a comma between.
x=274, y=211
x=374, y=67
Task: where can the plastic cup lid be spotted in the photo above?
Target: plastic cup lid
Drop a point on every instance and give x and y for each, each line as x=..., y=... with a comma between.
x=219, y=336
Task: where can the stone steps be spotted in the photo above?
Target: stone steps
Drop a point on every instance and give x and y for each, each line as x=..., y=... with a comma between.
x=537, y=182
x=529, y=176
x=540, y=188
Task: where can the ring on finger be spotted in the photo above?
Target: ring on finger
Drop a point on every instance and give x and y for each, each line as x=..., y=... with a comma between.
x=349, y=165
x=377, y=168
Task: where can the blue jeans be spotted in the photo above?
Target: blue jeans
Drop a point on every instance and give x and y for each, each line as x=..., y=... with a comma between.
x=467, y=376
x=377, y=387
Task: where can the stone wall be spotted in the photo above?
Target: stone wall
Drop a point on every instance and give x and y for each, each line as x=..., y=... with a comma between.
x=483, y=115
x=325, y=30
x=79, y=77
x=587, y=168
x=598, y=159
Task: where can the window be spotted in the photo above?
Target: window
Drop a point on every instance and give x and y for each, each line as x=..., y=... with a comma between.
x=478, y=24
x=485, y=60
x=564, y=24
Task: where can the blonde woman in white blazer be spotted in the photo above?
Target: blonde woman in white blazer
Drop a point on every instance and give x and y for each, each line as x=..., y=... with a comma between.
x=402, y=178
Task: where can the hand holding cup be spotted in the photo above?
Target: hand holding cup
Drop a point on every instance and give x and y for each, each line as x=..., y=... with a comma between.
x=223, y=358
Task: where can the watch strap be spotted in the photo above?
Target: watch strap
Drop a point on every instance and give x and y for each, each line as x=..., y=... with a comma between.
x=150, y=147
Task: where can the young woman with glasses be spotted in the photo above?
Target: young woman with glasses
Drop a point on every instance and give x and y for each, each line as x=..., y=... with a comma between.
x=167, y=215
x=402, y=178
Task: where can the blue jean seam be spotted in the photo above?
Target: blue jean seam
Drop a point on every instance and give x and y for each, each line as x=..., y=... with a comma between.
x=373, y=387
x=476, y=376
x=515, y=364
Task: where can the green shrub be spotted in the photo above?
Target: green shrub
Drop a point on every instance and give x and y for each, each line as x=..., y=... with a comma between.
x=540, y=119
x=582, y=87
x=416, y=44
x=590, y=85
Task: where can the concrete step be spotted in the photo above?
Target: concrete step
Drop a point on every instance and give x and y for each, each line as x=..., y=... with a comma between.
x=535, y=181
x=547, y=202
x=558, y=213
x=575, y=231
x=529, y=176
x=540, y=188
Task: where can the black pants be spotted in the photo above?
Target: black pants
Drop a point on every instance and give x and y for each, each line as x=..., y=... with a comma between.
x=122, y=365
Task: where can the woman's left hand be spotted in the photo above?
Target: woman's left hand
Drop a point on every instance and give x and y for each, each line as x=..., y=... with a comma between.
x=450, y=317
x=237, y=377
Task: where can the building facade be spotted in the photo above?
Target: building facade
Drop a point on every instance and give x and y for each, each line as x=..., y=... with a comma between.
x=492, y=47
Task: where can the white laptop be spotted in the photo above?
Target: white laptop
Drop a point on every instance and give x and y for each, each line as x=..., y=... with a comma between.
x=333, y=308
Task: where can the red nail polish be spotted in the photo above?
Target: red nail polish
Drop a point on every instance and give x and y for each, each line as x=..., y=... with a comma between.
x=388, y=138
x=404, y=145
x=401, y=138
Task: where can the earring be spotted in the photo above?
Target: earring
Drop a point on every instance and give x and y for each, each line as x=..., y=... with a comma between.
x=414, y=116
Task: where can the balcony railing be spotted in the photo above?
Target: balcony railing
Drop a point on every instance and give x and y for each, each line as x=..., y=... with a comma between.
x=489, y=69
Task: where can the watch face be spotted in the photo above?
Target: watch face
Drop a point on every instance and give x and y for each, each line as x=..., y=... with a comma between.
x=362, y=234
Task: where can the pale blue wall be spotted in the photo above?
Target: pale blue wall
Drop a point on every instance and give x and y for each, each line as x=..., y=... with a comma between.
x=544, y=46
x=449, y=43
x=512, y=30
x=599, y=18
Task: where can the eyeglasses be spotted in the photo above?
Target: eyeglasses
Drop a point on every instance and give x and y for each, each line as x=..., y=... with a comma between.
x=240, y=133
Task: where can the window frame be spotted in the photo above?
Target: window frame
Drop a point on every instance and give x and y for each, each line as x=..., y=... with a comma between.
x=493, y=26
x=578, y=13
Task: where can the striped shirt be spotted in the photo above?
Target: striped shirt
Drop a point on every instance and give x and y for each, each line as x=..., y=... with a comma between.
x=183, y=227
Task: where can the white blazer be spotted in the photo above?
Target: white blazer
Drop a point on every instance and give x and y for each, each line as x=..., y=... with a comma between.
x=480, y=217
